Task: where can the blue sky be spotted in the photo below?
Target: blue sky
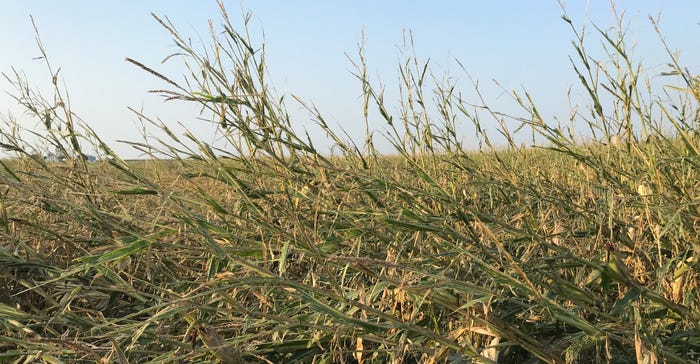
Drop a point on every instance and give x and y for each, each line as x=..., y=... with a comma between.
x=517, y=43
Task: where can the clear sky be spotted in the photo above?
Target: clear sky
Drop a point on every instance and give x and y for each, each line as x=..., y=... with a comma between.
x=517, y=43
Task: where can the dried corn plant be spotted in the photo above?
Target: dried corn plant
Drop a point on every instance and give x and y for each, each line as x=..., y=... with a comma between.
x=273, y=251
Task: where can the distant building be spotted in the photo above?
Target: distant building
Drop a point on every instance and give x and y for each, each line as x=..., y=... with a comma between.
x=53, y=157
x=59, y=157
